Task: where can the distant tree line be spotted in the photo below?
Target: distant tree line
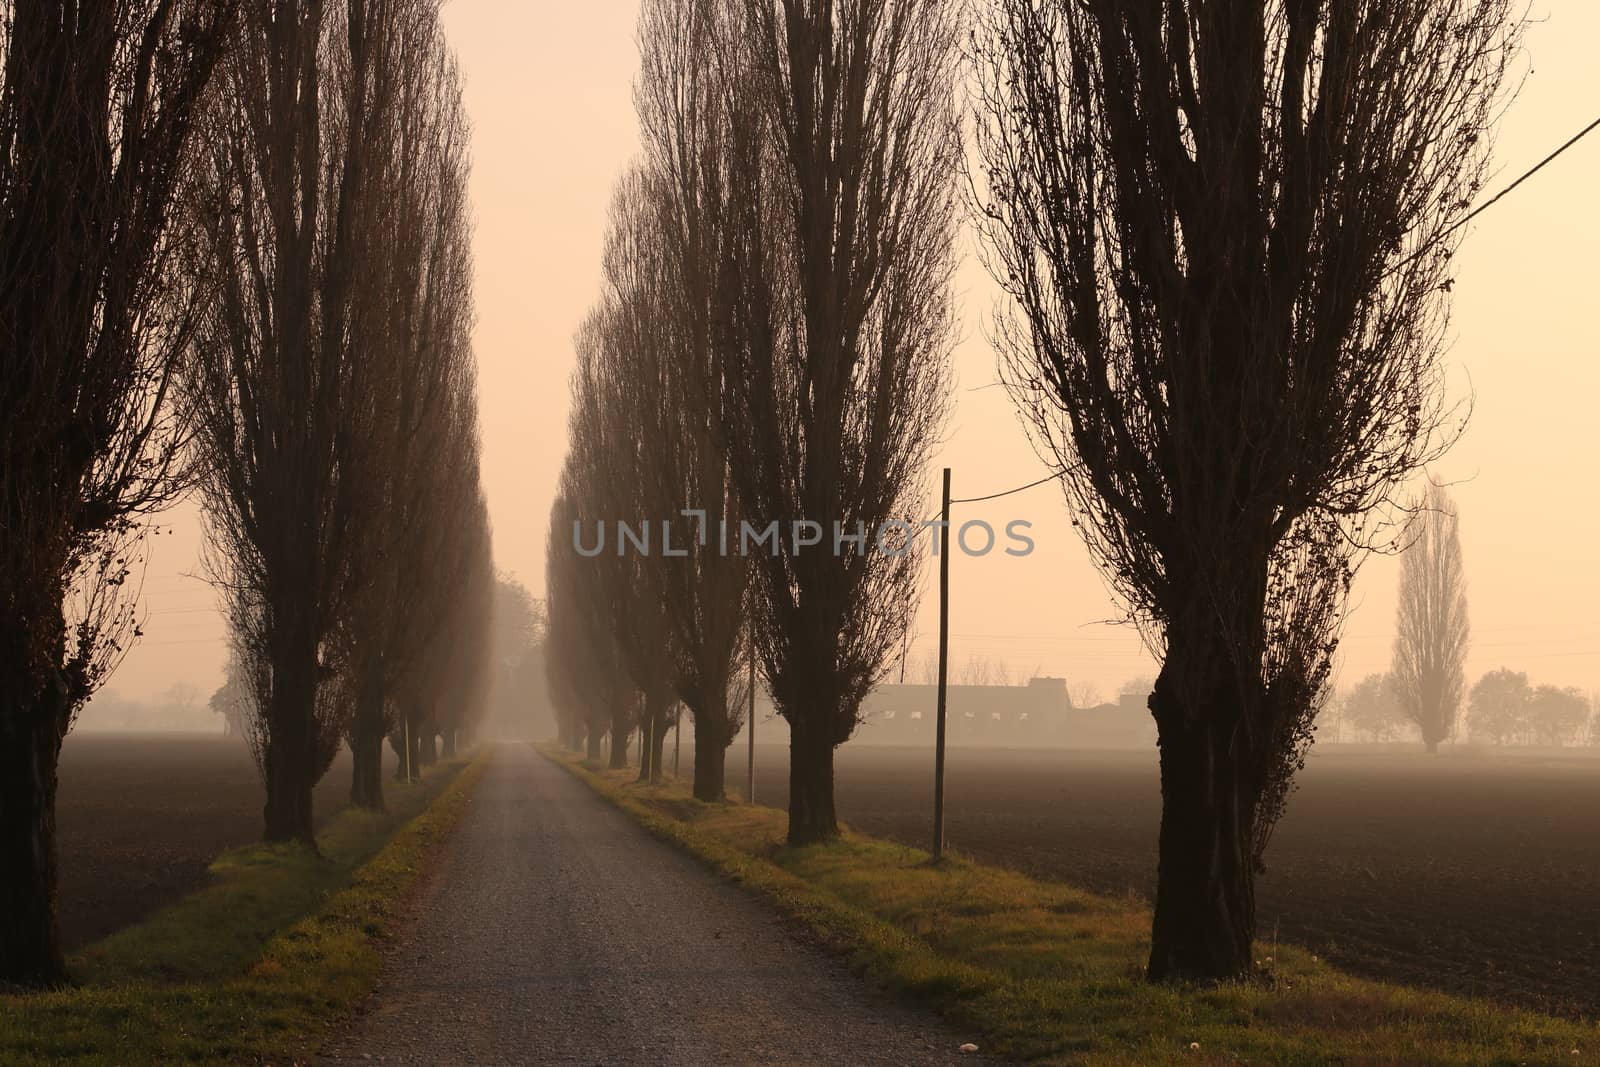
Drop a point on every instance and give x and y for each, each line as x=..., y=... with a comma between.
x=1424, y=694
x=1502, y=708
x=179, y=707
x=517, y=702
x=235, y=257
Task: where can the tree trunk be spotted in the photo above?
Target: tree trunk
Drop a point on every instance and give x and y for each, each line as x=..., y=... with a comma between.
x=710, y=755
x=658, y=743
x=397, y=745
x=653, y=735
x=620, y=728
x=646, y=746
x=367, y=732
x=366, y=770
x=449, y=742
x=429, y=738
x=31, y=731
x=811, y=814
x=287, y=815
x=595, y=727
x=1432, y=747
x=1204, y=925
x=414, y=761
x=290, y=760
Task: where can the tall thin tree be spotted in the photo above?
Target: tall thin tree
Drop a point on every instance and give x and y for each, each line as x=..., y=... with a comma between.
x=1227, y=229
x=1430, y=649
x=272, y=375
x=587, y=657
x=413, y=425
x=628, y=449
x=97, y=300
x=838, y=344
x=692, y=108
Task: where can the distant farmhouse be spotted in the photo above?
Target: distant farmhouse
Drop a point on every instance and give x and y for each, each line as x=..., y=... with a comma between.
x=1038, y=713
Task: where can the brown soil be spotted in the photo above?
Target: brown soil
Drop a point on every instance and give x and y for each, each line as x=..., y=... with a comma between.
x=1474, y=874
x=140, y=817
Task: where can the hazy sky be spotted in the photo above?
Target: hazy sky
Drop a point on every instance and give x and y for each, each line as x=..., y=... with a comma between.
x=549, y=91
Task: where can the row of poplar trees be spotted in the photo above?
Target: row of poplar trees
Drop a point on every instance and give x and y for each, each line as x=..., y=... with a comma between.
x=1225, y=234
x=235, y=260
x=771, y=345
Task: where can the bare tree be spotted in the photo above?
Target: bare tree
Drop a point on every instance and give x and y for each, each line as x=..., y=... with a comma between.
x=692, y=113
x=1497, y=707
x=182, y=698
x=413, y=427
x=586, y=666
x=1227, y=230
x=97, y=116
x=1084, y=695
x=1373, y=706
x=517, y=685
x=574, y=674
x=1558, y=716
x=273, y=374
x=620, y=419
x=838, y=354
x=571, y=672
x=622, y=616
x=1430, y=651
x=232, y=700
x=978, y=670
x=453, y=689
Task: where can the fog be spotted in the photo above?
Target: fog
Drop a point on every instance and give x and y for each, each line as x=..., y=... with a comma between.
x=378, y=302
x=548, y=88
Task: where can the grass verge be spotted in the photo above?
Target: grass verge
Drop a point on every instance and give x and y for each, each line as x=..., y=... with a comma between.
x=256, y=967
x=1048, y=973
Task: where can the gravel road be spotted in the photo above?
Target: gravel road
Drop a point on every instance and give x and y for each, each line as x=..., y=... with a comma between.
x=554, y=930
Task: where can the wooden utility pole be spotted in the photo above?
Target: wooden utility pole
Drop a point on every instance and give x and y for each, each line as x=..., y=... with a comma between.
x=750, y=771
x=944, y=665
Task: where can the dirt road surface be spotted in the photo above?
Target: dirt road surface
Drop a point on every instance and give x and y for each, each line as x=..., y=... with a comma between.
x=554, y=930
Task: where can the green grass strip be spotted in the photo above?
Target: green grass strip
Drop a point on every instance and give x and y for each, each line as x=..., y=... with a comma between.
x=257, y=967
x=1049, y=973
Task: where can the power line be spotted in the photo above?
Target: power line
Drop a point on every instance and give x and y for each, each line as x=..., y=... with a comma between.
x=1497, y=197
x=1009, y=492
x=1546, y=161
